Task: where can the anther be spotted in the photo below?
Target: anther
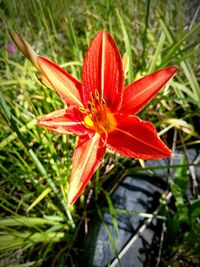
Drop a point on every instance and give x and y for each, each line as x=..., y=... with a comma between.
x=91, y=95
x=83, y=110
x=97, y=95
x=91, y=105
x=103, y=102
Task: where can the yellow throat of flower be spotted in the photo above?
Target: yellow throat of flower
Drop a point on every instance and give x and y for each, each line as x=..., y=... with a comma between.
x=99, y=118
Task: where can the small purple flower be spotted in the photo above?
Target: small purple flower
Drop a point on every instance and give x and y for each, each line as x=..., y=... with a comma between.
x=11, y=48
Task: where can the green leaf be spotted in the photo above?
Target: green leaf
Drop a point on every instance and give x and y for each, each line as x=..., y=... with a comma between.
x=194, y=210
x=112, y=211
x=182, y=178
x=110, y=236
x=25, y=221
x=157, y=53
x=177, y=45
x=39, y=198
x=177, y=192
x=127, y=46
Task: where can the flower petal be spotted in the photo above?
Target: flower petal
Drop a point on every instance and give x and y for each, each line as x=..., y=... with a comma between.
x=43, y=79
x=139, y=93
x=103, y=70
x=63, y=83
x=64, y=122
x=87, y=157
x=137, y=139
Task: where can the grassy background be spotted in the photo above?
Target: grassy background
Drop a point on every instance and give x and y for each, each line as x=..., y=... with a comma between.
x=36, y=225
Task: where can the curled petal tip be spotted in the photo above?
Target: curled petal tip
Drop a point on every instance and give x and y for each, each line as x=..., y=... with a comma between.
x=166, y=153
x=38, y=122
x=173, y=69
x=71, y=199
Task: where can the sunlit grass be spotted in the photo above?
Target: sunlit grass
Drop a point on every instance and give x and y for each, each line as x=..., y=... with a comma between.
x=35, y=163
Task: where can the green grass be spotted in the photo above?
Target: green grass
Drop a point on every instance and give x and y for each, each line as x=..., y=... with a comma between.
x=35, y=163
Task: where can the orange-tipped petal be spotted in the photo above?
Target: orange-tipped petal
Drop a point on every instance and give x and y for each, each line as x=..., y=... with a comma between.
x=135, y=138
x=87, y=157
x=139, y=93
x=63, y=83
x=25, y=48
x=64, y=122
x=103, y=70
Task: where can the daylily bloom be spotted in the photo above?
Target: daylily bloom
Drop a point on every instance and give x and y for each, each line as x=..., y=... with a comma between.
x=100, y=109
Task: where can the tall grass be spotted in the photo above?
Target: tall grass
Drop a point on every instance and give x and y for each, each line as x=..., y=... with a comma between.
x=37, y=227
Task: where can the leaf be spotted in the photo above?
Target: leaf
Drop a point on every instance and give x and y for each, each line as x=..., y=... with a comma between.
x=182, y=178
x=109, y=235
x=39, y=198
x=176, y=192
x=157, y=53
x=176, y=46
x=127, y=45
x=112, y=211
x=194, y=210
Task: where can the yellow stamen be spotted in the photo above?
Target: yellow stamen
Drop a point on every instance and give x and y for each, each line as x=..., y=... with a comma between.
x=99, y=118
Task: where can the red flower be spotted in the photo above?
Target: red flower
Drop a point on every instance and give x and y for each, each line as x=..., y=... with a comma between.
x=100, y=110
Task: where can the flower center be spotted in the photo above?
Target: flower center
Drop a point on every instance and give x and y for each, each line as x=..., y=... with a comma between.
x=99, y=118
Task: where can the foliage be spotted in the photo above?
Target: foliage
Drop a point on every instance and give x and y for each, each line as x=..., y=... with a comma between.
x=37, y=228
x=182, y=237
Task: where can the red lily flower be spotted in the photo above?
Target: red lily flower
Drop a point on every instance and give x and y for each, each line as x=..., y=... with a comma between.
x=100, y=110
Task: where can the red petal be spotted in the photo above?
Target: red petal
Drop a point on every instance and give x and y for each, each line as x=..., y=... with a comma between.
x=64, y=122
x=103, y=71
x=139, y=93
x=87, y=157
x=63, y=83
x=136, y=139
